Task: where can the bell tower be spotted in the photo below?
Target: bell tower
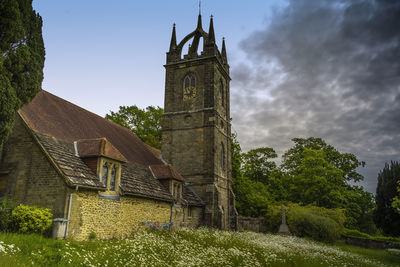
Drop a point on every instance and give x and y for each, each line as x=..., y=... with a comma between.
x=196, y=129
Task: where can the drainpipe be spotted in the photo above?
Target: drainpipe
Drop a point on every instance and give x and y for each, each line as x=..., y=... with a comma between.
x=69, y=211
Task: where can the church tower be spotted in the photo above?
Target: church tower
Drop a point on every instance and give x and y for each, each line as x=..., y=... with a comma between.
x=196, y=129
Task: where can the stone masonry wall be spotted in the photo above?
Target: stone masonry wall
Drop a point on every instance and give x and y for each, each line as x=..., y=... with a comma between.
x=32, y=179
x=110, y=218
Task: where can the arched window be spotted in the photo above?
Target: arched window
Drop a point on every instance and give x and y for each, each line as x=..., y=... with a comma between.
x=222, y=156
x=189, y=86
x=221, y=92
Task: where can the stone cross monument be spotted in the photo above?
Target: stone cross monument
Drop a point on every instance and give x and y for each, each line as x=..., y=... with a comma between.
x=283, y=229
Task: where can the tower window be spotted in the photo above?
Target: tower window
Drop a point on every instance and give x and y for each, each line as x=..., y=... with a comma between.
x=221, y=92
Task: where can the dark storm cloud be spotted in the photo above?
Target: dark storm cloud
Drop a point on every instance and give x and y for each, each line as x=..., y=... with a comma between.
x=328, y=69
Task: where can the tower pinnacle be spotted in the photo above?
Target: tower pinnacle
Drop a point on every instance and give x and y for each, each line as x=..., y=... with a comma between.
x=173, y=39
x=211, y=35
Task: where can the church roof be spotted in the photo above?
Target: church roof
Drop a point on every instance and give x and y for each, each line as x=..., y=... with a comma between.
x=50, y=115
x=69, y=133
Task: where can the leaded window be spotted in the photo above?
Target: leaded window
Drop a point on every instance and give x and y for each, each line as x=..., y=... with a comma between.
x=113, y=177
x=104, y=174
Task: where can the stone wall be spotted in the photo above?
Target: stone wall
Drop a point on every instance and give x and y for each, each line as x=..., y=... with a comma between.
x=31, y=178
x=119, y=218
x=252, y=224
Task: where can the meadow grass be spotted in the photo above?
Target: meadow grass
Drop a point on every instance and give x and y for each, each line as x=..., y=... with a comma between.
x=202, y=247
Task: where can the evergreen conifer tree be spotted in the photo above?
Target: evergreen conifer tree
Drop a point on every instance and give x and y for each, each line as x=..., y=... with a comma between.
x=386, y=216
x=21, y=59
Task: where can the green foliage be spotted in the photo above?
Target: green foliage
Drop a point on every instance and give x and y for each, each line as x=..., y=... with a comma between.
x=21, y=59
x=318, y=223
x=252, y=198
x=92, y=236
x=356, y=233
x=316, y=180
x=256, y=164
x=385, y=216
x=359, y=208
x=236, y=152
x=6, y=207
x=396, y=199
x=344, y=161
x=145, y=123
x=31, y=219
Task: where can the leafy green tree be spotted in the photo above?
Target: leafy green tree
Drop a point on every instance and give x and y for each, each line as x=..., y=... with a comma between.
x=346, y=162
x=21, y=59
x=257, y=165
x=145, y=123
x=236, y=154
x=316, y=181
x=359, y=209
x=385, y=216
x=252, y=198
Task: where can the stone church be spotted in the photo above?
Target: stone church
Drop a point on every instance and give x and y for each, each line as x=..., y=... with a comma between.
x=99, y=177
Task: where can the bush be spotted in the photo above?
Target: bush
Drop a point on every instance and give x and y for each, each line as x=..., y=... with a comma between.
x=320, y=224
x=31, y=219
x=6, y=207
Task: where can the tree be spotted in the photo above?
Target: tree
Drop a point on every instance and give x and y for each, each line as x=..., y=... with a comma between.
x=236, y=154
x=256, y=164
x=145, y=123
x=385, y=216
x=21, y=59
x=316, y=181
x=396, y=199
x=346, y=162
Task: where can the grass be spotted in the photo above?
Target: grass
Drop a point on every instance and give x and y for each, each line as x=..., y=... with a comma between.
x=203, y=247
x=390, y=259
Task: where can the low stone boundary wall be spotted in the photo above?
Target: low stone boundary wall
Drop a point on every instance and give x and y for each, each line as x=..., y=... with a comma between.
x=252, y=224
x=369, y=243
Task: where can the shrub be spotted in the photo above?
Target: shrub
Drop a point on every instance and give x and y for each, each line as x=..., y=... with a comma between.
x=92, y=236
x=320, y=224
x=6, y=207
x=31, y=219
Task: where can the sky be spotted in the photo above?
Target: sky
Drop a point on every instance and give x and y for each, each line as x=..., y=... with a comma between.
x=299, y=68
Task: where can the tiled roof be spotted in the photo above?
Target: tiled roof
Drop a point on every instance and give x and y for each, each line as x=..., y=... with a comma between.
x=166, y=172
x=54, y=116
x=191, y=197
x=136, y=180
x=74, y=169
x=99, y=147
x=58, y=123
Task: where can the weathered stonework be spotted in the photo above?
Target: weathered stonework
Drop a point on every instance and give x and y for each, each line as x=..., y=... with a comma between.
x=196, y=137
x=110, y=218
x=31, y=178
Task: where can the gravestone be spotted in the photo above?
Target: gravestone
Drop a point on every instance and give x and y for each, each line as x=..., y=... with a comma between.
x=283, y=228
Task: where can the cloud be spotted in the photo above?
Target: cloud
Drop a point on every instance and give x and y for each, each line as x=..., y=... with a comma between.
x=328, y=69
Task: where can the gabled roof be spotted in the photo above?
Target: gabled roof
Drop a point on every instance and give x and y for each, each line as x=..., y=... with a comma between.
x=166, y=172
x=98, y=147
x=50, y=115
x=57, y=124
x=136, y=180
